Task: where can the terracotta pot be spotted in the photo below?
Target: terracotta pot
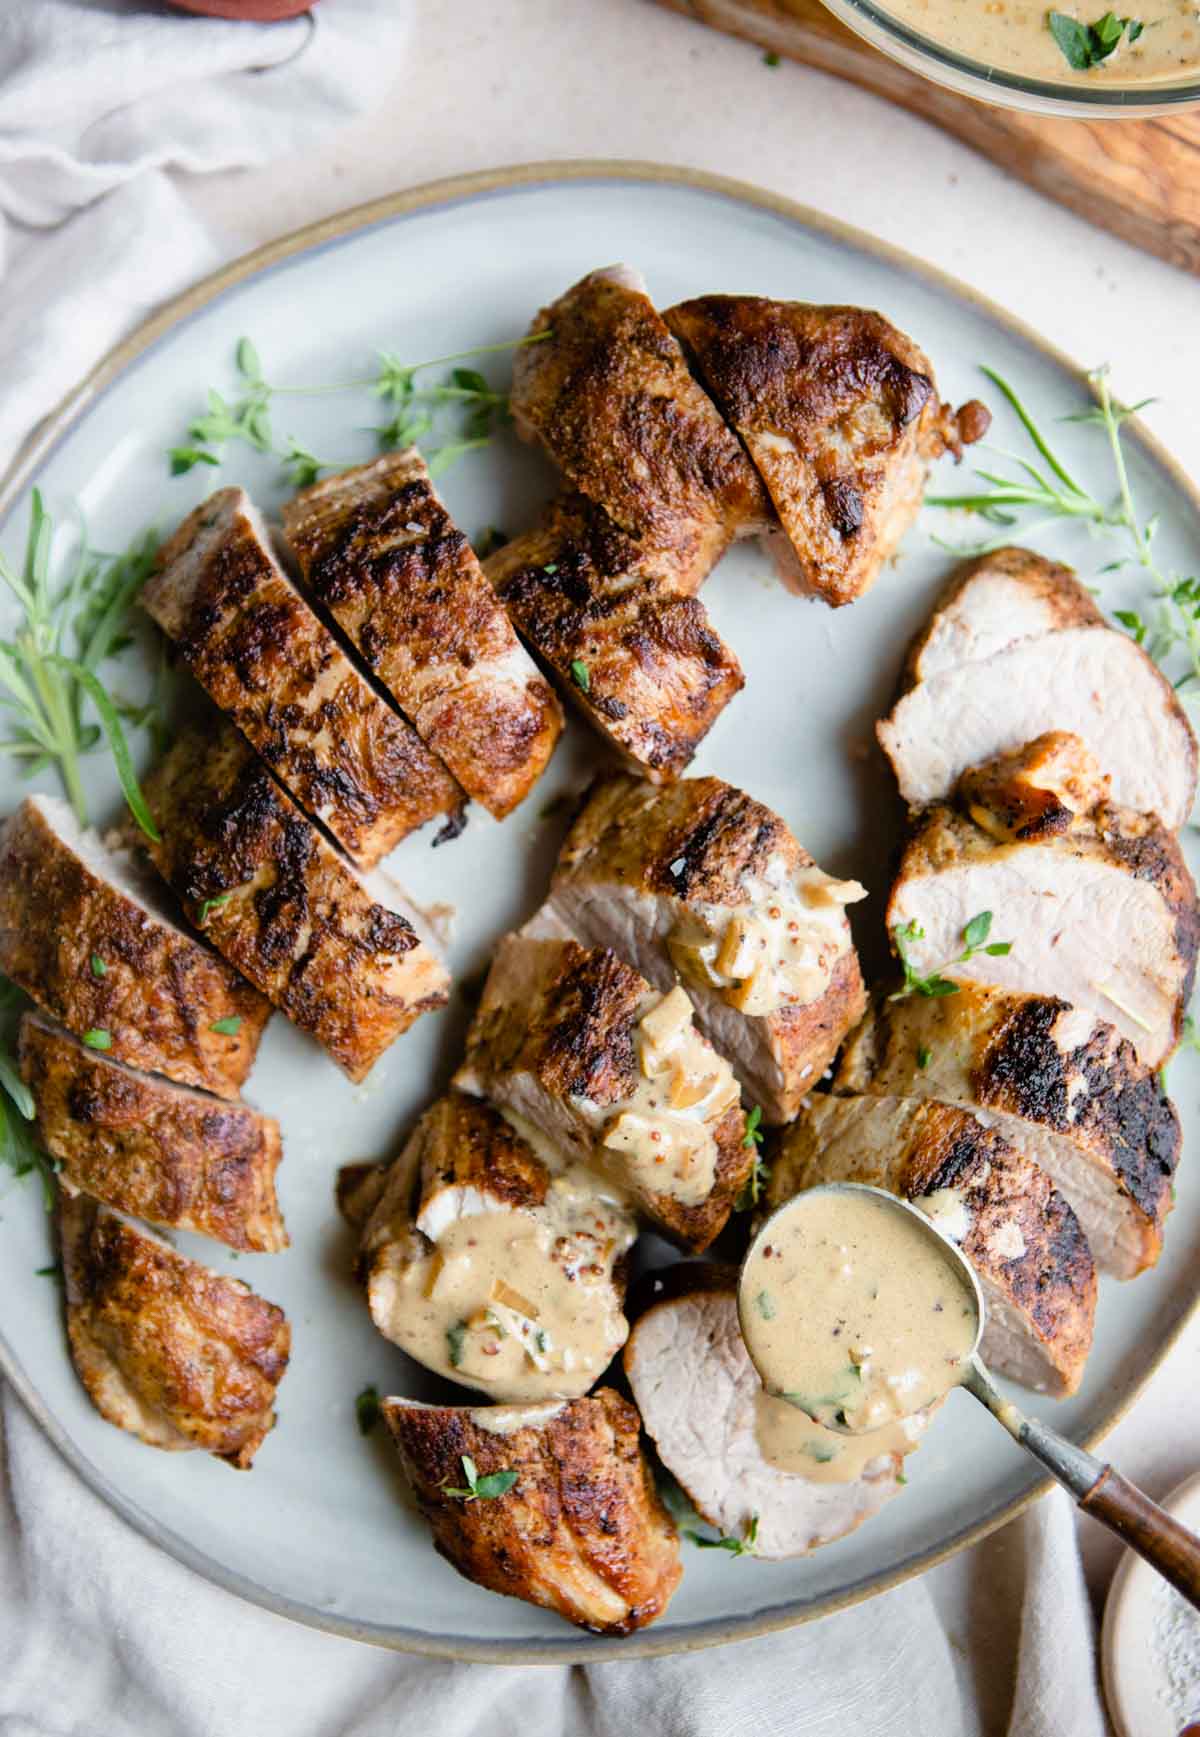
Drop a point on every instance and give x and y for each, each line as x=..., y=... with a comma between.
x=256, y=11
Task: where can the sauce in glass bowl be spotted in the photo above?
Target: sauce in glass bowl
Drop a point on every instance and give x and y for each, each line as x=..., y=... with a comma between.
x=1015, y=36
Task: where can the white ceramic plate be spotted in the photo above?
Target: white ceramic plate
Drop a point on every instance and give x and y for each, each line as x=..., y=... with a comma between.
x=320, y=1530
x=1145, y=1660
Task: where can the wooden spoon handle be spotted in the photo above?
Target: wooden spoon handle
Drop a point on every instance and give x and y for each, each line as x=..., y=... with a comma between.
x=1148, y=1529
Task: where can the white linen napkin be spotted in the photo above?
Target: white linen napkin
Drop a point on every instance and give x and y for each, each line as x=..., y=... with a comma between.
x=102, y=105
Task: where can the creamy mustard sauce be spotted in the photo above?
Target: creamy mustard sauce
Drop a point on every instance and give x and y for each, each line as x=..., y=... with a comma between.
x=1012, y=36
x=852, y=1314
x=520, y=1302
x=779, y=948
x=789, y=1440
x=660, y=1139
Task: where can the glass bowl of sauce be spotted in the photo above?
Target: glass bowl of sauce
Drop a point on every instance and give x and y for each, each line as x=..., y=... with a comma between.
x=1082, y=60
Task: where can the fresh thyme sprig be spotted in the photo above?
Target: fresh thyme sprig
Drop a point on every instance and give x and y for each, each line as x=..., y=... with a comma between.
x=752, y=1189
x=419, y=413
x=48, y=669
x=18, y=1148
x=975, y=940
x=746, y=1545
x=484, y=1489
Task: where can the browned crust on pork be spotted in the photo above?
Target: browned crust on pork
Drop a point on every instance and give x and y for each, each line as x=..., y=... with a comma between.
x=296, y=922
x=465, y=1143
x=178, y=1355
x=1052, y=1282
x=1067, y=600
x=379, y=551
x=250, y=639
x=808, y=1038
x=581, y=1532
x=855, y=399
x=612, y=399
x=147, y=1147
x=1035, y=790
x=160, y=993
x=583, y=593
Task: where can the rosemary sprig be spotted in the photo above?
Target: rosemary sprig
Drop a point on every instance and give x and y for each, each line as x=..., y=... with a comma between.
x=48, y=669
x=419, y=413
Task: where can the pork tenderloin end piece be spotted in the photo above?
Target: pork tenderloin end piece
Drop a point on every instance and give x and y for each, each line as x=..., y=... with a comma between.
x=839, y=412
x=698, y=882
x=378, y=550
x=495, y=1264
x=177, y=1355
x=1091, y=681
x=1063, y=1087
x=89, y=933
x=1102, y=916
x=697, y=1391
x=991, y=602
x=559, y=1039
x=252, y=640
x=344, y=959
x=581, y=1531
x=1013, y=1225
x=607, y=391
x=143, y=1145
x=614, y=623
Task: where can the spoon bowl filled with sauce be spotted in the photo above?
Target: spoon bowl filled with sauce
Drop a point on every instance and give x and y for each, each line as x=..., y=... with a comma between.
x=860, y=1315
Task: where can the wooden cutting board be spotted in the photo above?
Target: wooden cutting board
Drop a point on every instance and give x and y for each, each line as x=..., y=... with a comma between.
x=1141, y=179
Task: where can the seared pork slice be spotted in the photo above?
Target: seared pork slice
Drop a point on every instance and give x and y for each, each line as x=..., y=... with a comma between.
x=700, y=1398
x=1091, y=681
x=580, y=1531
x=163, y=1152
x=610, y=620
x=1013, y=1225
x=379, y=551
x=249, y=637
x=1102, y=916
x=176, y=1354
x=1035, y=790
x=994, y=600
x=613, y=1074
x=1062, y=1087
x=89, y=933
x=701, y=882
x=840, y=414
x=344, y=958
x=608, y=392
x=495, y=1262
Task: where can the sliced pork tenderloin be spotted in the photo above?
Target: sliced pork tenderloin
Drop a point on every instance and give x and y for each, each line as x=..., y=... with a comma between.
x=379, y=551
x=493, y=1261
x=91, y=935
x=580, y=1045
x=177, y=1355
x=1102, y=916
x=992, y=602
x=840, y=414
x=1013, y=1225
x=146, y=1146
x=606, y=389
x=1064, y=1088
x=612, y=619
x=266, y=658
x=699, y=882
x=1035, y=790
x=346, y=959
x=699, y=1396
x=580, y=1530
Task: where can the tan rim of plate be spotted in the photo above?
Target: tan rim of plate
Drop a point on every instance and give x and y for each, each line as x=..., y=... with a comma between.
x=457, y=190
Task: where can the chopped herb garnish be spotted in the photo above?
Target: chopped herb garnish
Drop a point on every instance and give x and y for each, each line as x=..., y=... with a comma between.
x=99, y=968
x=98, y=1038
x=1087, y=45
x=481, y=1489
x=53, y=1271
x=454, y=1343
x=818, y=1451
x=923, y=1056
x=213, y=904
x=367, y=1410
x=753, y=1134
x=765, y=1304
x=581, y=675
x=551, y=567
x=975, y=940
x=227, y=1027
x=770, y=58
x=541, y=1340
x=754, y=1186
x=744, y=1546
x=900, y=1478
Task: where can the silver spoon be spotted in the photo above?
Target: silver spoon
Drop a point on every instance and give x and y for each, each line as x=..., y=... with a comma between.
x=1099, y=1490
